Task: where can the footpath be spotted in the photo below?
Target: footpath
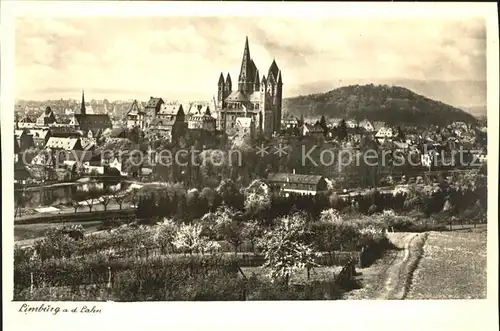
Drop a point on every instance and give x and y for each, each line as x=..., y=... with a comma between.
x=389, y=277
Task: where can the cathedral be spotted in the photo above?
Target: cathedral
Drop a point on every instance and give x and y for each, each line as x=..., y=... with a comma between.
x=257, y=99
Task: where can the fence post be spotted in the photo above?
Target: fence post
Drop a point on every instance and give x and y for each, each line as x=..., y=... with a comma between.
x=32, y=285
x=109, y=277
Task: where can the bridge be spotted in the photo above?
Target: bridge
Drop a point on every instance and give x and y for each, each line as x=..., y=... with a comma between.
x=66, y=216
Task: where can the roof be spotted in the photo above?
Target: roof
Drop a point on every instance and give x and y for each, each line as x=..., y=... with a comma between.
x=314, y=128
x=255, y=96
x=237, y=96
x=39, y=133
x=154, y=103
x=63, y=143
x=134, y=109
x=63, y=132
x=201, y=117
x=93, y=121
x=378, y=125
x=170, y=109
x=294, y=178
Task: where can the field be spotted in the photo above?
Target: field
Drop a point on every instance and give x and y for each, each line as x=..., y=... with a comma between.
x=453, y=267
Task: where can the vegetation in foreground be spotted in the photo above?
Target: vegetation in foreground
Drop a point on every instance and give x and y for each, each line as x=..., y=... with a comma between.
x=291, y=234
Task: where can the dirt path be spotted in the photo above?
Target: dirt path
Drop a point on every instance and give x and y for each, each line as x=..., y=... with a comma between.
x=388, y=278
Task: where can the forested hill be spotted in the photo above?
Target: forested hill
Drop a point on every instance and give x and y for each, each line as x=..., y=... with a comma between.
x=391, y=104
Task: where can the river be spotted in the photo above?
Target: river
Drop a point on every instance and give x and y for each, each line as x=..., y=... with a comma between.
x=53, y=195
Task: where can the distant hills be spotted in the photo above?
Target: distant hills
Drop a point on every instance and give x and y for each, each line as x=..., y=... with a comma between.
x=478, y=111
x=392, y=104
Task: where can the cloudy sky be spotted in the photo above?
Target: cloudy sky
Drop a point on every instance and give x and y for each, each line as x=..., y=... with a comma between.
x=181, y=58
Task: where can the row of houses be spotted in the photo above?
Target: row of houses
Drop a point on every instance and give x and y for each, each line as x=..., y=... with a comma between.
x=160, y=120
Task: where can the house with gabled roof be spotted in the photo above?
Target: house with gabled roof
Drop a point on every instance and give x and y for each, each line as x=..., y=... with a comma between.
x=46, y=118
x=200, y=118
x=169, y=123
x=367, y=125
x=286, y=183
x=40, y=137
x=385, y=133
x=152, y=108
x=135, y=116
x=312, y=130
x=67, y=144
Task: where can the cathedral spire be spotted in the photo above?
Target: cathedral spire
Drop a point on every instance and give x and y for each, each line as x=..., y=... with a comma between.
x=82, y=108
x=246, y=64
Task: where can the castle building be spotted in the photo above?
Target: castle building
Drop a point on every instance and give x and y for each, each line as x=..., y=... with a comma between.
x=259, y=99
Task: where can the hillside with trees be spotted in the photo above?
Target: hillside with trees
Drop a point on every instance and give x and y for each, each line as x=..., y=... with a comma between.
x=391, y=104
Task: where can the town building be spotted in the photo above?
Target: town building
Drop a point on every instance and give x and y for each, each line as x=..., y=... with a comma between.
x=312, y=130
x=351, y=124
x=136, y=116
x=25, y=123
x=385, y=133
x=200, y=118
x=257, y=98
x=90, y=125
x=67, y=144
x=286, y=183
x=153, y=106
x=46, y=118
x=169, y=123
x=40, y=137
x=287, y=123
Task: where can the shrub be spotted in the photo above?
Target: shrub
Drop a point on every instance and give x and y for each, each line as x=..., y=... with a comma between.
x=372, y=209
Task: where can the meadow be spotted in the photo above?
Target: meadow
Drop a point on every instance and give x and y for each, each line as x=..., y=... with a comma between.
x=453, y=266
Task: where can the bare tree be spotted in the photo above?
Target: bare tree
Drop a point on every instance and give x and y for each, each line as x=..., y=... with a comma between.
x=106, y=197
x=90, y=197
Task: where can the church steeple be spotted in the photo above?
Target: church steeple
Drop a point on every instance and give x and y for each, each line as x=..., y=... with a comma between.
x=243, y=81
x=82, y=108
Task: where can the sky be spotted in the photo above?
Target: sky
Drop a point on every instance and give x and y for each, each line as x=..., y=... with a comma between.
x=181, y=58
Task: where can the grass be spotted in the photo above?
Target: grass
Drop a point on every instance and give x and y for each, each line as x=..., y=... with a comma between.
x=453, y=266
x=65, y=293
x=31, y=231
